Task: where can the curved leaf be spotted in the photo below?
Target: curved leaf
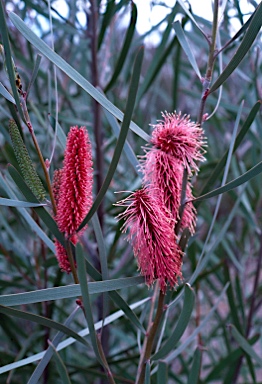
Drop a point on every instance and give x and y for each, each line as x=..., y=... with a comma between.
x=18, y=203
x=182, y=323
x=85, y=298
x=244, y=344
x=205, y=321
x=184, y=44
x=8, y=58
x=195, y=370
x=125, y=49
x=6, y=94
x=68, y=291
x=254, y=171
x=42, y=213
x=242, y=50
x=42, y=321
x=220, y=165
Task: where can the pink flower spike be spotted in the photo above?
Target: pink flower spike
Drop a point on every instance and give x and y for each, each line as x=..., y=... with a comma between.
x=56, y=184
x=181, y=138
x=153, y=239
x=62, y=257
x=165, y=173
x=75, y=192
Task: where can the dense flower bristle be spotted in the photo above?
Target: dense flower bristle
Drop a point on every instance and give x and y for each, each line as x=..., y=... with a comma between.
x=72, y=188
x=153, y=212
x=153, y=239
x=75, y=194
x=181, y=138
x=56, y=184
x=62, y=257
x=162, y=171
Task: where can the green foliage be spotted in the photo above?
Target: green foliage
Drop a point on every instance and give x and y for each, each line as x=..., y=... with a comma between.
x=95, y=73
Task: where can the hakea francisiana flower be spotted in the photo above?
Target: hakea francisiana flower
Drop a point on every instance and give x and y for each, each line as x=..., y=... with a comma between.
x=165, y=173
x=152, y=237
x=72, y=187
x=177, y=146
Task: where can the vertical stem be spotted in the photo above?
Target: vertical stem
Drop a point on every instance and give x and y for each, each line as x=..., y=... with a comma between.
x=71, y=261
x=149, y=340
x=97, y=109
x=210, y=64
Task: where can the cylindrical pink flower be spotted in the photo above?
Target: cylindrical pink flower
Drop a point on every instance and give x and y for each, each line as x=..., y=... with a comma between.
x=177, y=145
x=72, y=188
x=164, y=174
x=75, y=193
x=62, y=257
x=152, y=236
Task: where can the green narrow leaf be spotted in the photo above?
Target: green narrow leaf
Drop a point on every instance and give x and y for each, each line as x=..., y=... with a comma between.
x=68, y=291
x=162, y=373
x=195, y=369
x=42, y=321
x=72, y=73
x=245, y=345
x=203, y=324
x=125, y=49
x=127, y=147
x=227, y=362
x=106, y=20
x=122, y=136
x=34, y=74
x=184, y=44
x=64, y=344
x=60, y=366
x=6, y=94
x=116, y=298
x=253, y=172
x=32, y=224
x=251, y=368
x=122, y=304
x=101, y=246
x=220, y=165
x=242, y=50
x=239, y=33
x=232, y=301
x=34, y=379
x=81, y=271
x=181, y=326
x=8, y=57
x=41, y=212
x=17, y=203
x=102, y=257
x=189, y=14
x=147, y=373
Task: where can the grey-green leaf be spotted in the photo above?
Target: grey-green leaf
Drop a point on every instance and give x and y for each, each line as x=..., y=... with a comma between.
x=182, y=323
x=242, y=50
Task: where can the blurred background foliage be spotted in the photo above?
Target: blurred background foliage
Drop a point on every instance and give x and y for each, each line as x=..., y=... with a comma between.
x=99, y=40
